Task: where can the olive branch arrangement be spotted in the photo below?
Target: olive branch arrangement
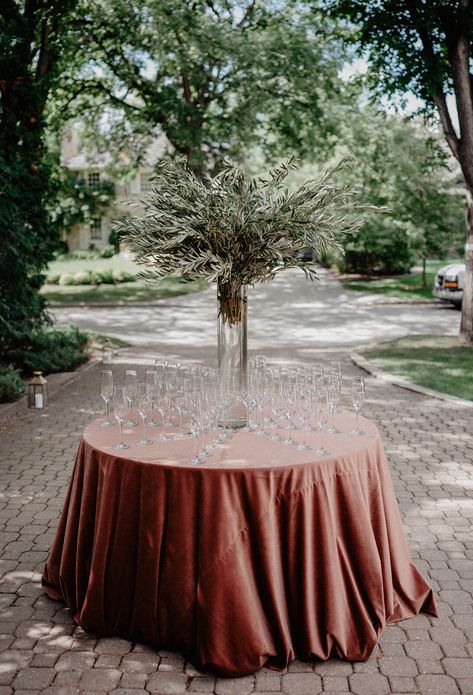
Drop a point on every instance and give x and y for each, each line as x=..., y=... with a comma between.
x=235, y=230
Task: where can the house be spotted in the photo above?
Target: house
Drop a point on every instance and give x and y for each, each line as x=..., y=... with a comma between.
x=95, y=169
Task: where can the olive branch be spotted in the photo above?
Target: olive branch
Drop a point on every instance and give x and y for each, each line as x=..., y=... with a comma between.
x=236, y=230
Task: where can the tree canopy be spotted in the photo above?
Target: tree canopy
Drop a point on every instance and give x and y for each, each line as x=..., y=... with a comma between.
x=214, y=76
x=425, y=48
x=31, y=42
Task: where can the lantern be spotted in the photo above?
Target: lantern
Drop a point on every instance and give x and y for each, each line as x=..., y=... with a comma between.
x=37, y=391
x=107, y=352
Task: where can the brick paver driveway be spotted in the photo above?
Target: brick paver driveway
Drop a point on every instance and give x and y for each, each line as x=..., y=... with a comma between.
x=430, y=446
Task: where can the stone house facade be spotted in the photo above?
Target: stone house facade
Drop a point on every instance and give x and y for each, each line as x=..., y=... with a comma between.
x=96, y=233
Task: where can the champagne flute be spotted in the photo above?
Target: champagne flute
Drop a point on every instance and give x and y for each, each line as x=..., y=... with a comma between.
x=358, y=398
x=322, y=414
x=303, y=409
x=131, y=393
x=194, y=425
x=150, y=379
x=162, y=406
x=333, y=396
x=106, y=391
x=120, y=407
x=144, y=409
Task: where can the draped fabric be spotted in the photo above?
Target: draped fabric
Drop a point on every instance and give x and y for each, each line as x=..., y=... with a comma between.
x=261, y=555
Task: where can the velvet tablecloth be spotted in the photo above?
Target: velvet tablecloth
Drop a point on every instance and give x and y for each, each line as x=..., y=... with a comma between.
x=263, y=554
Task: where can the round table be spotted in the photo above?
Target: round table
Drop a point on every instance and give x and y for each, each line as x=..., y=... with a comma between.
x=262, y=554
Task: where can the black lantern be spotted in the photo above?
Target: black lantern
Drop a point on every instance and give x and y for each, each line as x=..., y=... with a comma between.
x=37, y=391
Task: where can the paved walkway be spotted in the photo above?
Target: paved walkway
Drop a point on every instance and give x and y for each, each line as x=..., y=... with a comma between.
x=290, y=314
x=430, y=447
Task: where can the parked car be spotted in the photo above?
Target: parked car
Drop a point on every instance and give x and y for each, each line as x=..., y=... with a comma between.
x=448, y=284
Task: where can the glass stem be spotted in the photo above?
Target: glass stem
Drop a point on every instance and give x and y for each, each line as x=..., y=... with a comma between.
x=356, y=420
x=163, y=418
x=121, y=431
x=106, y=409
x=144, y=428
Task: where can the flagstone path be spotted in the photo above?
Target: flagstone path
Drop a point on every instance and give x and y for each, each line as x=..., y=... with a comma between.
x=430, y=448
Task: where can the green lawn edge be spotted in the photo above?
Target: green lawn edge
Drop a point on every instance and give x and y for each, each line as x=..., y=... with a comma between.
x=440, y=363
x=407, y=286
x=123, y=293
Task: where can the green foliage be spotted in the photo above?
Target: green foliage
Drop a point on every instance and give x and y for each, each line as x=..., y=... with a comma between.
x=215, y=77
x=91, y=254
x=91, y=277
x=49, y=351
x=11, y=385
x=408, y=41
x=235, y=230
x=432, y=361
x=75, y=202
x=30, y=43
x=401, y=167
x=114, y=240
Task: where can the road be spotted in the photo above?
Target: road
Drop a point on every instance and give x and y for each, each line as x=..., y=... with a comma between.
x=291, y=316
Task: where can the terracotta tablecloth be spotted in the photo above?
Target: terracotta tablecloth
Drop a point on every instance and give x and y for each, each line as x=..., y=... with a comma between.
x=263, y=554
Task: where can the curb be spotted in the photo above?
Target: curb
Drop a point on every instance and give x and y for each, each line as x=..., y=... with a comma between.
x=56, y=382
x=367, y=366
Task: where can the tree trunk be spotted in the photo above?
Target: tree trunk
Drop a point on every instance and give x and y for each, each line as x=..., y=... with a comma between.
x=466, y=326
x=424, y=274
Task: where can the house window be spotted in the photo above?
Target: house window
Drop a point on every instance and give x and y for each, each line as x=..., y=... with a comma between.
x=95, y=229
x=145, y=183
x=93, y=180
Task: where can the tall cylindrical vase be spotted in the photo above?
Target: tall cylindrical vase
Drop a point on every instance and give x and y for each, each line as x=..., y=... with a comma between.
x=232, y=348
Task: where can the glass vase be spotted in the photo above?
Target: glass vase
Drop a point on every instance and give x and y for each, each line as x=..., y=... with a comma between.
x=232, y=350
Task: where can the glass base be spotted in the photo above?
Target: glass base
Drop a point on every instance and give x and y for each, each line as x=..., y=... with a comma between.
x=121, y=445
x=145, y=442
x=322, y=452
x=357, y=432
x=333, y=430
x=130, y=423
x=302, y=445
x=106, y=423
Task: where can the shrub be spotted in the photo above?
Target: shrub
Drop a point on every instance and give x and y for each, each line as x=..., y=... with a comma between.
x=66, y=279
x=50, y=350
x=11, y=385
x=85, y=277
x=114, y=239
x=105, y=277
x=108, y=252
x=123, y=276
x=382, y=247
x=53, y=279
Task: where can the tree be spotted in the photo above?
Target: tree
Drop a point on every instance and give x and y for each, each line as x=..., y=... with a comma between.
x=213, y=75
x=400, y=166
x=31, y=35
x=75, y=202
x=424, y=47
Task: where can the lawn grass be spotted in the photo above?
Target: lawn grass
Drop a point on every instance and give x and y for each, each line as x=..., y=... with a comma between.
x=407, y=286
x=124, y=292
x=75, y=265
x=435, y=362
